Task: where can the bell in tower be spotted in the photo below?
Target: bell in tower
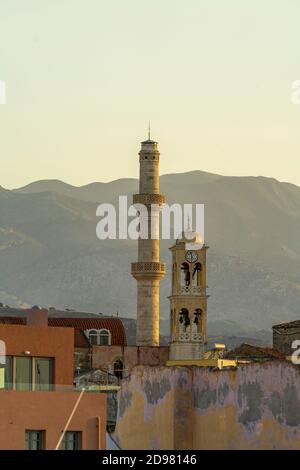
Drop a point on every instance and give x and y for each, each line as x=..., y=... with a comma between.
x=188, y=299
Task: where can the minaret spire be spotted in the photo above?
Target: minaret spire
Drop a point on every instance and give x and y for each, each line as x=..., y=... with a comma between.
x=149, y=131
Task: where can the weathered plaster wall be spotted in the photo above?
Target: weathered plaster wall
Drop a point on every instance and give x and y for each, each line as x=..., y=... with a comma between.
x=104, y=356
x=256, y=406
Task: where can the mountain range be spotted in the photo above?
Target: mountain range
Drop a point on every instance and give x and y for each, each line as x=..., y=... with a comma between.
x=50, y=255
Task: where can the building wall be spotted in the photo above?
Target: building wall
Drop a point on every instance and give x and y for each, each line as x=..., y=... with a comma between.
x=256, y=406
x=104, y=356
x=50, y=411
x=82, y=358
x=186, y=350
x=283, y=341
x=42, y=341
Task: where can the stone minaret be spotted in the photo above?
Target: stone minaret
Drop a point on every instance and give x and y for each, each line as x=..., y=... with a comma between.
x=188, y=299
x=148, y=271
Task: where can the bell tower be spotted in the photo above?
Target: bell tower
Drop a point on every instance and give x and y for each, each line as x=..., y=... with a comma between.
x=188, y=299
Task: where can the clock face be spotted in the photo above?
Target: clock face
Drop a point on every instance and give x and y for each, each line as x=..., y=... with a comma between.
x=191, y=256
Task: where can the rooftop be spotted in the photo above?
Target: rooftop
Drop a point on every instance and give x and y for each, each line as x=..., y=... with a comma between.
x=78, y=320
x=190, y=236
x=286, y=326
x=149, y=141
x=5, y=310
x=253, y=352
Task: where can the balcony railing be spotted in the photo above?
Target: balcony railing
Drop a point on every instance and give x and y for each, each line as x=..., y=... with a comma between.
x=192, y=290
x=148, y=267
x=185, y=337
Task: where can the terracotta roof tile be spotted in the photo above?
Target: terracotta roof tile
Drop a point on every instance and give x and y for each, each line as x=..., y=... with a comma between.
x=80, y=340
x=113, y=324
x=13, y=320
x=255, y=352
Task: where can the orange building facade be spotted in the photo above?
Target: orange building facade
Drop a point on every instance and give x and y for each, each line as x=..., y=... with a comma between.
x=36, y=420
x=40, y=409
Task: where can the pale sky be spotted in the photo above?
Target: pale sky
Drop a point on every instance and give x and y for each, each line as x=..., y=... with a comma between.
x=84, y=77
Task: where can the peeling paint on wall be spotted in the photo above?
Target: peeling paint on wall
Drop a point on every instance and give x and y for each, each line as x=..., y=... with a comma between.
x=291, y=405
x=223, y=393
x=125, y=400
x=250, y=400
x=156, y=391
x=255, y=407
x=204, y=398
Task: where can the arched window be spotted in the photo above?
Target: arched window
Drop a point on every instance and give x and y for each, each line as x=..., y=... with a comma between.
x=118, y=368
x=184, y=320
x=185, y=275
x=104, y=338
x=99, y=337
x=93, y=337
x=198, y=319
x=197, y=274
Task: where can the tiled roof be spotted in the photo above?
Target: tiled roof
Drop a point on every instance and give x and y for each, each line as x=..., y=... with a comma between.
x=113, y=324
x=286, y=326
x=80, y=340
x=13, y=320
x=255, y=352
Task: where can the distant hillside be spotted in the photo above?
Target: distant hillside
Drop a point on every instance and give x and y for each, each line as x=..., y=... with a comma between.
x=50, y=255
x=93, y=192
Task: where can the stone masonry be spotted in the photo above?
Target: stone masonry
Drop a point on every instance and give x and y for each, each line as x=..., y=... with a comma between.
x=148, y=271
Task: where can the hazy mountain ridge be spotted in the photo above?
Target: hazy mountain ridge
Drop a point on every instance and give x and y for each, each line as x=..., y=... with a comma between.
x=50, y=255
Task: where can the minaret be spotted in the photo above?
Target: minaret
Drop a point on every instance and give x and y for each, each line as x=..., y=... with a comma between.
x=148, y=271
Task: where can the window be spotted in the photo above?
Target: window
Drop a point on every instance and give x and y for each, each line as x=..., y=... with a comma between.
x=28, y=373
x=184, y=320
x=185, y=275
x=197, y=274
x=118, y=368
x=93, y=337
x=98, y=337
x=71, y=441
x=104, y=338
x=42, y=373
x=23, y=373
x=34, y=440
x=8, y=373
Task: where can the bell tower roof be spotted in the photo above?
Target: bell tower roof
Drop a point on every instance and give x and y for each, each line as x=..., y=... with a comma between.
x=190, y=236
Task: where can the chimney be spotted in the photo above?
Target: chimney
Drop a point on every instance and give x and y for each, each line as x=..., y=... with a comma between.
x=37, y=316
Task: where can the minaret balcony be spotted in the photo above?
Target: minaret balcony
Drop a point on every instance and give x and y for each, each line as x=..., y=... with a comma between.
x=148, y=269
x=148, y=199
